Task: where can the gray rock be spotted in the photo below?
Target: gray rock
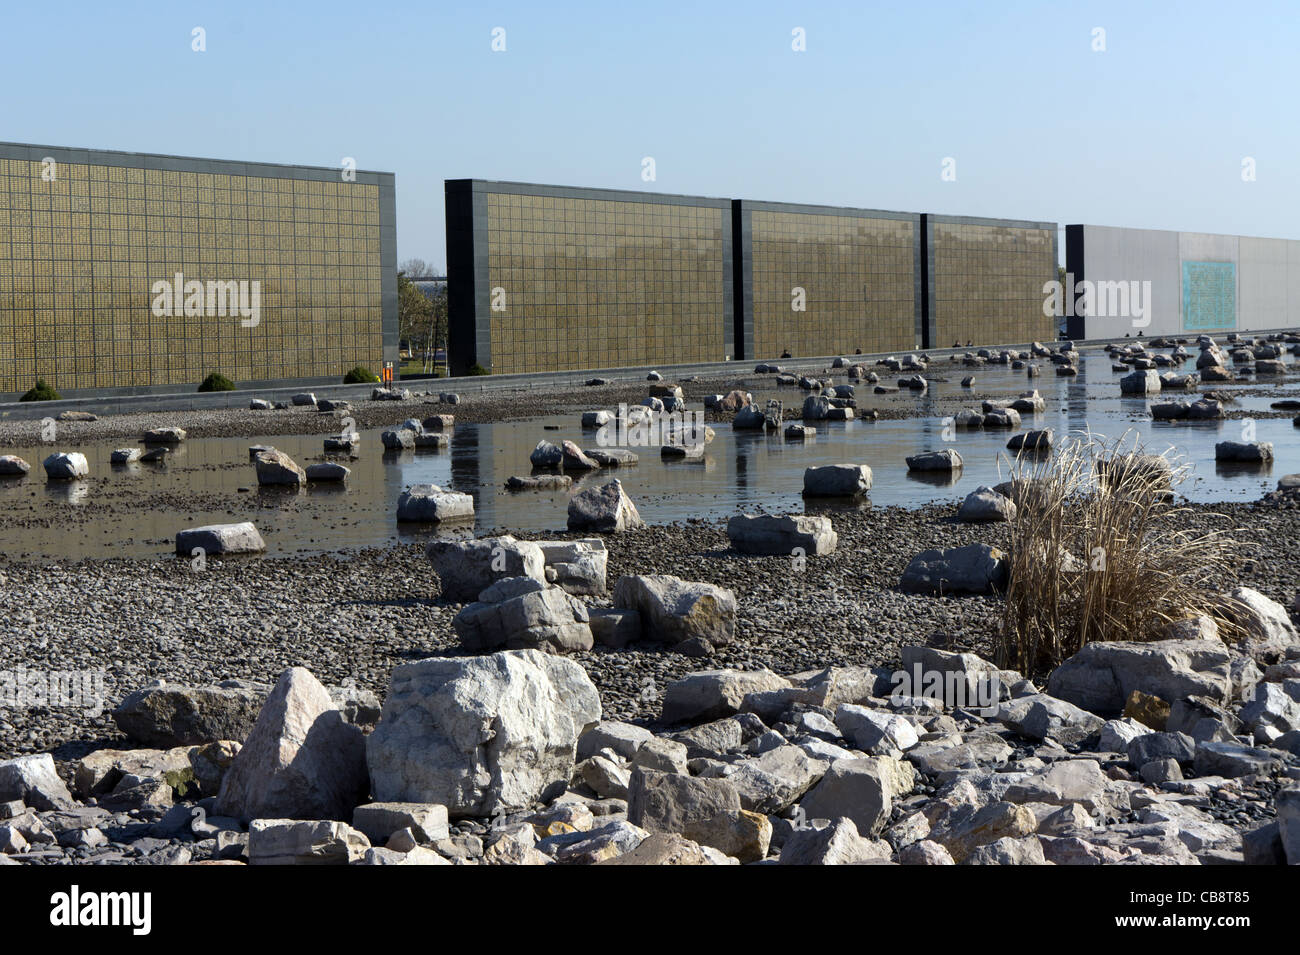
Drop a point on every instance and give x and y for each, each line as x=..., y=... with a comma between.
x=837, y=480
x=669, y=802
x=241, y=538
x=430, y=504
x=1231, y=760
x=1068, y=781
x=710, y=694
x=293, y=842
x=1246, y=452
x=605, y=508
x=1101, y=676
x=839, y=843
x=945, y=460
x=614, y=627
x=275, y=468
x=973, y=569
x=399, y=439
x=578, y=567
x=66, y=466
x=1153, y=747
x=521, y=613
x=1040, y=716
x=327, y=472
x=674, y=610
x=623, y=738
x=986, y=504
x=34, y=781
x=481, y=734
x=379, y=820
x=858, y=789
x=1009, y=851
x=466, y=568
x=772, y=535
x=302, y=760
x=773, y=781
x=877, y=732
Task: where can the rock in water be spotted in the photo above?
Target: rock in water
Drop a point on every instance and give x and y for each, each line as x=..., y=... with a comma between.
x=241, y=538
x=66, y=466
x=276, y=467
x=301, y=761
x=604, y=508
x=481, y=734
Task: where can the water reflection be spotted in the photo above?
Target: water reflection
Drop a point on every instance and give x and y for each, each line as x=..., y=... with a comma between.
x=749, y=470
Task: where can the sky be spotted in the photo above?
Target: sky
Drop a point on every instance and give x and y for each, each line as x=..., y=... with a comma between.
x=1157, y=129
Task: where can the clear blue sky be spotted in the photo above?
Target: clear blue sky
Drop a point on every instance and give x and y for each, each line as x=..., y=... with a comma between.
x=1150, y=133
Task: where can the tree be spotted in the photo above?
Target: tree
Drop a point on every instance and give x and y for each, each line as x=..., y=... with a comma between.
x=414, y=311
x=418, y=268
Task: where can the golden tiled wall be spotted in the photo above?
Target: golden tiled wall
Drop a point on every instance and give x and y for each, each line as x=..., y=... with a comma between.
x=80, y=252
x=590, y=283
x=988, y=284
x=858, y=276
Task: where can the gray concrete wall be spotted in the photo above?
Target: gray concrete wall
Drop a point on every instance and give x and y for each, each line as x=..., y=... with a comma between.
x=1267, y=279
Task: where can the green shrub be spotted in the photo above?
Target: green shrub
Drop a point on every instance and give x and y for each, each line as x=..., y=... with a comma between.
x=360, y=375
x=217, y=382
x=477, y=369
x=42, y=392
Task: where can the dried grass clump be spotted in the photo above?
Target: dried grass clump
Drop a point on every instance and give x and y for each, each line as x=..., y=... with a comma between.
x=1097, y=553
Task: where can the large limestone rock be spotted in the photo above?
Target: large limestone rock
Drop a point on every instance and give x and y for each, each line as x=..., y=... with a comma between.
x=66, y=466
x=973, y=569
x=167, y=715
x=1101, y=676
x=481, y=734
x=1140, y=382
x=522, y=613
x=670, y=802
x=767, y=534
x=854, y=788
x=1269, y=630
x=772, y=781
x=606, y=508
x=241, y=538
x=837, y=480
x=985, y=504
x=674, y=610
x=277, y=468
x=430, y=504
x=34, y=781
x=295, y=842
x=466, y=568
x=710, y=694
x=301, y=761
x=836, y=844
x=11, y=464
x=577, y=567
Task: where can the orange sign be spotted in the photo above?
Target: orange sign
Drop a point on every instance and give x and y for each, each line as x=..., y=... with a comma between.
x=388, y=372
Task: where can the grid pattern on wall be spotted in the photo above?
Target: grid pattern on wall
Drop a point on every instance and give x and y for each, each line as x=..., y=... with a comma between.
x=857, y=275
x=82, y=244
x=986, y=281
x=586, y=282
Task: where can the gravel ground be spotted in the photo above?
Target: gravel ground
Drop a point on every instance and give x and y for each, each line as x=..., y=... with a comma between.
x=357, y=616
